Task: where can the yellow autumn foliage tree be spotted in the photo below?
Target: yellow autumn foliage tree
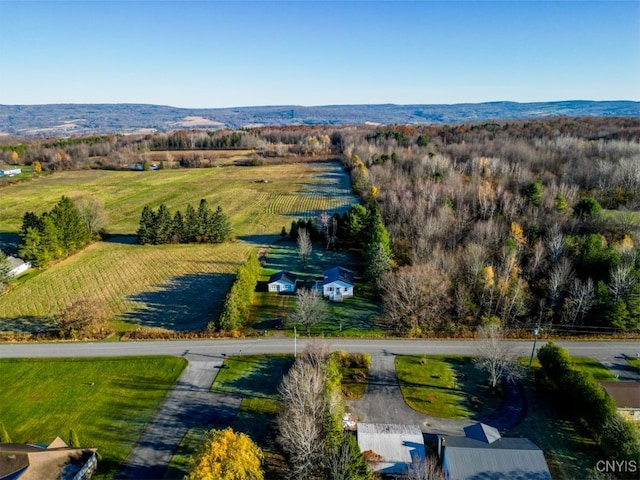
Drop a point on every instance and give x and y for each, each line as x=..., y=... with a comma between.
x=226, y=455
x=517, y=233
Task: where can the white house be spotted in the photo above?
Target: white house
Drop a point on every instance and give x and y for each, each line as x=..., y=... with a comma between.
x=17, y=266
x=10, y=172
x=336, y=284
x=282, y=282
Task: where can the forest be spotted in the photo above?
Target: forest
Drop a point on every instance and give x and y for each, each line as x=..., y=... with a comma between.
x=533, y=222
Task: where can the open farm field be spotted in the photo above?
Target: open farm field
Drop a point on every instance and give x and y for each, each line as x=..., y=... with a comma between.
x=209, y=158
x=108, y=402
x=259, y=200
x=177, y=287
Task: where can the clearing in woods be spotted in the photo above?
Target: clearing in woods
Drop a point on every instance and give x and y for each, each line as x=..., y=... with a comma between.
x=179, y=287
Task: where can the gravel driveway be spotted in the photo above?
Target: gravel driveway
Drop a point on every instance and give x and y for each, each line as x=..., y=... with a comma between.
x=188, y=405
x=383, y=403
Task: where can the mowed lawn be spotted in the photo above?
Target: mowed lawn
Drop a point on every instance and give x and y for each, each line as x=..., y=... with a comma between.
x=108, y=402
x=256, y=378
x=179, y=287
x=354, y=316
x=445, y=386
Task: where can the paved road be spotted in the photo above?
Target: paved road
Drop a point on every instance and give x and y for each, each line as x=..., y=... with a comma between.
x=603, y=351
x=191, y=403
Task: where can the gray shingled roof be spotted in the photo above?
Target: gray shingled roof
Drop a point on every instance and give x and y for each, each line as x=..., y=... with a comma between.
x=506, y=458
x=287, y=277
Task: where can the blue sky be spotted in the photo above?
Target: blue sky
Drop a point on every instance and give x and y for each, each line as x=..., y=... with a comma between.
x=241, y=53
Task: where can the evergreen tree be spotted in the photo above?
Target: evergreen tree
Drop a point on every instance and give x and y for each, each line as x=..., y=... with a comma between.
x=30, y=248
x=177, y=228
x=4, y=269
x=72, y=231
x=220, y=230
x=190, y=225
x=293, y=233
x=163, y=224
x=147, y=229
x=204, y=218
x=51, y=244
x=377, y=261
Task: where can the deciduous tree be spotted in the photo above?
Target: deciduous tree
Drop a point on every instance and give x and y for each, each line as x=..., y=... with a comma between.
x=227, y=455
x=304, y=245
x=310, y=309
x=495, y=356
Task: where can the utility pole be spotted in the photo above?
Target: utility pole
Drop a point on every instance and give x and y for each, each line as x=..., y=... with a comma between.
x=535, y=339
x=295, y=343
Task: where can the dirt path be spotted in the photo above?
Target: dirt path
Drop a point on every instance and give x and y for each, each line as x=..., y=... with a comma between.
x=189, y=404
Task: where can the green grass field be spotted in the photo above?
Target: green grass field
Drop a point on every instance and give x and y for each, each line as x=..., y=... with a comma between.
x=108, y=402
x=445, y=386
x=257, y=379
x=179, y=287
x=592, y=367
x=354, y=317
x=284, y=193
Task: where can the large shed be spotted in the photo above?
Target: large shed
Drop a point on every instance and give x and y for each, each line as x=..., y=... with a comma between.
x=397, y=445
x=483, y=453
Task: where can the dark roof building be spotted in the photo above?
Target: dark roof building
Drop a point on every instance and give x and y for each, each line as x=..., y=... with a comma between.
x=340, y=274
x=286, y=277
x=483, y=453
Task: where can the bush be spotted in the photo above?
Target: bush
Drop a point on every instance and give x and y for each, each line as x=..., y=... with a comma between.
x=240, y=298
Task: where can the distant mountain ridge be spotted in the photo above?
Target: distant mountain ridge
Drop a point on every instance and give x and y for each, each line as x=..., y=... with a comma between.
x=84, y=119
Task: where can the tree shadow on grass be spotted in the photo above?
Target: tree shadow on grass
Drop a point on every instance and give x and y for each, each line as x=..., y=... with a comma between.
x=9, y=243
x=261, y=381
x=27, y=324
x=184, y=303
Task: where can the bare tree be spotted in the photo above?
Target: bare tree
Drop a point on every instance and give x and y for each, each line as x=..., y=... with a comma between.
x=301, y=419
x=415, y=297
x=92, y=212
x=581, y=299
x=425, y=469
x=310, y=309
x=495, y=356
x=304, y=245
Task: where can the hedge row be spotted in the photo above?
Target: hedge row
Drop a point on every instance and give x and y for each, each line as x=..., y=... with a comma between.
x=237, y=305
x=587, y=403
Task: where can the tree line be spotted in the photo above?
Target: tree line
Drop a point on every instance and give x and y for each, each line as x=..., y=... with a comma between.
x=359, y=228
x=203, y=225
x=531, y=222
x=55, y=234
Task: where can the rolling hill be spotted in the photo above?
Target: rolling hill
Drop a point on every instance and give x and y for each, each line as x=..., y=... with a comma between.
x=83, y=119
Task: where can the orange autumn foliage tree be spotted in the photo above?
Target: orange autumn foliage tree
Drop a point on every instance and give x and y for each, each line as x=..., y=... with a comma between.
x=226, y=455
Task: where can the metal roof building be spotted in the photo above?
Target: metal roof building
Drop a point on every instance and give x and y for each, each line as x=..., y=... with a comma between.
x=482, y=454
x=398, y=445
